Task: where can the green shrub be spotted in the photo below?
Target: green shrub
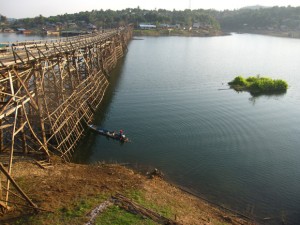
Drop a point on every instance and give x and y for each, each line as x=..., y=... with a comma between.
x=258, y=85
x=239, y=81
x=252, y=79
x=280, y=85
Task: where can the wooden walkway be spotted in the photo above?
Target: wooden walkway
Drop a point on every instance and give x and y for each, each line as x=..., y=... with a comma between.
x=24, y=52
x=50, y=89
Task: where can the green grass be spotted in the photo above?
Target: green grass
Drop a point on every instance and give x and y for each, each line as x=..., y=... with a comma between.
x=116, y=216
x=139, y=197
x=146, y=33
x=77, y=213
x=74, y=214
x=259, y=85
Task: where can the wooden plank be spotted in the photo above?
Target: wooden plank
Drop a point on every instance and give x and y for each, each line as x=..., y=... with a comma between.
x=12, y=110
x=11, y=154
x=43, y=165
x=34, y=134
x=21, y=127
x=32, y=101
x=5, y=126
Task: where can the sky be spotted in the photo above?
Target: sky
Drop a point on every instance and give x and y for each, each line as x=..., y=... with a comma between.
x=32, y=8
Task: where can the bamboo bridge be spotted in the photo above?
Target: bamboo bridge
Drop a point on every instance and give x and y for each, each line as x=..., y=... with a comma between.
x=49, y=91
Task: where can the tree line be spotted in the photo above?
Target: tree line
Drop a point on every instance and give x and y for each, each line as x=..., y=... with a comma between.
x=110, y=18
x=280, y=18
x=272, y=18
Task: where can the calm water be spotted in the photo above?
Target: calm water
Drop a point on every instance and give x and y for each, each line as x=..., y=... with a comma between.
x=169, y=95
x=12, y=37
x=236, y=150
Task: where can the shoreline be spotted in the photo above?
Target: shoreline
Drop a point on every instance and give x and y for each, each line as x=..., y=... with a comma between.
x=183, y=33
x=290, y=34
x=201, y=33
x=65, y=187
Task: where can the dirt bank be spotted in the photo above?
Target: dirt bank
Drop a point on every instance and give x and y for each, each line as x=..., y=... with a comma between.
x=71, y=191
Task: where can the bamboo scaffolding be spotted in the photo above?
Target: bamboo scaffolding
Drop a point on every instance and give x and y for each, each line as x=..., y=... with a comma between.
x=49, y=91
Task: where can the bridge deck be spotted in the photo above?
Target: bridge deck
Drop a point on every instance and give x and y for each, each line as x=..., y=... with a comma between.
x=23, y=52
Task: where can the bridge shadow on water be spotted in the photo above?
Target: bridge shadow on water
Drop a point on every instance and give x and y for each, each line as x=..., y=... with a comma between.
x=83, y=150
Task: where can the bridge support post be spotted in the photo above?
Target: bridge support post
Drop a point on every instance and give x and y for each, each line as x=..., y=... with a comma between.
x=38, y=91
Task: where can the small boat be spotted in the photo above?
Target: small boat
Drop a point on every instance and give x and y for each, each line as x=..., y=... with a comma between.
x=111, y=134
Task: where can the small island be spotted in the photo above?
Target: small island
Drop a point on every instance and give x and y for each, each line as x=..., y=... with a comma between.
x=259, y=85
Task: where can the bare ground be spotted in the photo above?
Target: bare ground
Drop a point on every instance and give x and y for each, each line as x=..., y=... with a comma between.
x=65, y=184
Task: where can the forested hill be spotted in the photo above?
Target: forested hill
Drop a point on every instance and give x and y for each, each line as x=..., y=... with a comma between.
x=258, y=19
x=110, y=18
x=268, y=19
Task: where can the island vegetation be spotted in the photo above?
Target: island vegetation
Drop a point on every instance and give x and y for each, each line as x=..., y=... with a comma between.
x=257, y=85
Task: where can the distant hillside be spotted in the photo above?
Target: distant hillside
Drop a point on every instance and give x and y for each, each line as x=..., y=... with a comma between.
x=136, y=16
x=280, y=21
x=254, y=7
x=11, y=19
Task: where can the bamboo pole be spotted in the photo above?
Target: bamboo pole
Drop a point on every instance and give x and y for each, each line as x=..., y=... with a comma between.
x=56, y=77
x=1, y=143
x=7, y=174
x=38, y=89
x=11, y=155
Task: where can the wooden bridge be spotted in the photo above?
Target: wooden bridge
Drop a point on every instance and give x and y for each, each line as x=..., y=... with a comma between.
x=49, y=90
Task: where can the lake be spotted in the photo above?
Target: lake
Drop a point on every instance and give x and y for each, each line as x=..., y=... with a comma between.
x=171, y=97
x=13, y=37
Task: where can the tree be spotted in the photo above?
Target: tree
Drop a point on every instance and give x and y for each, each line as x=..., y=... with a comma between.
x=39, y=20
x=3, y=19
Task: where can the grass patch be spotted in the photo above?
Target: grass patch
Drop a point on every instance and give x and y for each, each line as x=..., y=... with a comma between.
x=139, y=197
x=259, y=85
x=116, y=216
x=74, y=214
x=146, y=33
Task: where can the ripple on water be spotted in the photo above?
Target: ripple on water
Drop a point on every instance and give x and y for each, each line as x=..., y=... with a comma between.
x=234, y=149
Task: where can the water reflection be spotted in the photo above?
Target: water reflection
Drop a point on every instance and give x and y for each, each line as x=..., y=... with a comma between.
x=244, y=156
x=256, y=97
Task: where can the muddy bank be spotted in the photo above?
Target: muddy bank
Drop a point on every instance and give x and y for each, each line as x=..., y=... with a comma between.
x=68, y=192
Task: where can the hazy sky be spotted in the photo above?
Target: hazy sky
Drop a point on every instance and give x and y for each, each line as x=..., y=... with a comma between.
x=32, y=8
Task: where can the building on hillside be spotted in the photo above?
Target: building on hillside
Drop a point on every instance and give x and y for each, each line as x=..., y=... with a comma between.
x=8, y=30
x=203, y=26
x=147, y=26
x=23, y=31
x=91, y=27
x=72, y=25
x=169, y=26
x=53, y=32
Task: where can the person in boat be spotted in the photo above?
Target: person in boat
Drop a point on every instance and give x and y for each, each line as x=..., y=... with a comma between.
x=122, y=135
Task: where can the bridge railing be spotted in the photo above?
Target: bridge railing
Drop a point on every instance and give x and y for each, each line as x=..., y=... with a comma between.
x=21, y=52
x=64, y=39
x=7, y=48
